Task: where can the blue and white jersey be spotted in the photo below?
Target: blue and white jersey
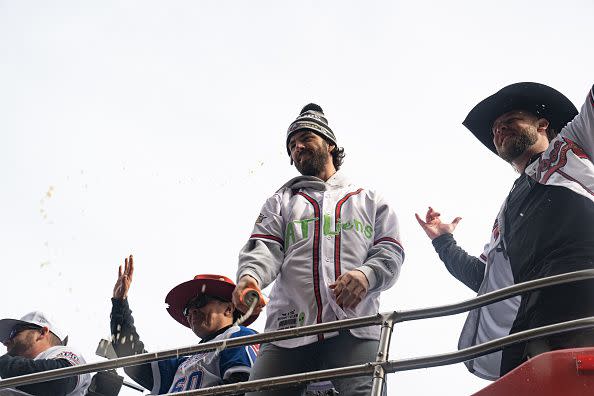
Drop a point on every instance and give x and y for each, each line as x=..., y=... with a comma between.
x=204, y=369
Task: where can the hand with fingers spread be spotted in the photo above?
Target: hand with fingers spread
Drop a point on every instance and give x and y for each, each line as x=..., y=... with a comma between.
x=433, y=226
x=350, y=288
x=122, y=285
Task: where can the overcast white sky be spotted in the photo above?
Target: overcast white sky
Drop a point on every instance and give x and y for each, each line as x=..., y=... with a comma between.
x=157, y=128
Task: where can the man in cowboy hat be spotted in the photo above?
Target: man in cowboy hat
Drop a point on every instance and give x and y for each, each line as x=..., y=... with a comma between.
x=331, y=247
x=544, y=228
x=34, y=344
x=204, y=305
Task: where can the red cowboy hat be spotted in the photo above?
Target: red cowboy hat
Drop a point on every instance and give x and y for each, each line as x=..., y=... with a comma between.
x=213, y=285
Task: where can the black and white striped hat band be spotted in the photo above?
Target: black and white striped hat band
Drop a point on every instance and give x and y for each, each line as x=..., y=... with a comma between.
x=311, y=118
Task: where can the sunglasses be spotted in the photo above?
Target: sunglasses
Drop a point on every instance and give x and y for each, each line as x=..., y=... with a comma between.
x=19, y=329
x=200, y=301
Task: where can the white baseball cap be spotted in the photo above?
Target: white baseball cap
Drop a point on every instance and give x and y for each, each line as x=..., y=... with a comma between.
x=36, y=318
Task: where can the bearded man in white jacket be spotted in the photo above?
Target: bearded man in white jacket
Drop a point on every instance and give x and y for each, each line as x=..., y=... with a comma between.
x=332, y=247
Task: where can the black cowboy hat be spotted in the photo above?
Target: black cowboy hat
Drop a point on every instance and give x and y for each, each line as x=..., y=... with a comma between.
x=538, y=99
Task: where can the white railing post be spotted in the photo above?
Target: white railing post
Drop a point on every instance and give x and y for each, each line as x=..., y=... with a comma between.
x=379, y=374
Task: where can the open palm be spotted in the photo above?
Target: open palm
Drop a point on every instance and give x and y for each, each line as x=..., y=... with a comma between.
x=433, y=226
x=122, y=285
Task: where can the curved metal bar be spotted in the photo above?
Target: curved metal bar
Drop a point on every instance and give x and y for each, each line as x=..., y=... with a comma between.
x=393, y=366
x=488, y=347
x=396, y=316
x=284, y=381
x=191, y=350
x=492, y=297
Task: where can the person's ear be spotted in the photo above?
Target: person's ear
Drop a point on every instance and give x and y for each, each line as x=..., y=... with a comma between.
x=542, y=125
x=229, y=310
x=43, y=333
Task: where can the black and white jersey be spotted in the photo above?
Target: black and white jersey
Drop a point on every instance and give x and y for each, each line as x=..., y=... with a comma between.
x=545, y=227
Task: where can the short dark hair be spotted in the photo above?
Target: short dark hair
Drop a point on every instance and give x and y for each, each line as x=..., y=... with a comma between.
x=337, y=152
x=337, y=156
x=551, y=132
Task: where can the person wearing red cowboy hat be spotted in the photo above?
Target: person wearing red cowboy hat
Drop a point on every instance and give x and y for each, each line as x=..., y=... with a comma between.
x=204, y=305
x=545, y=226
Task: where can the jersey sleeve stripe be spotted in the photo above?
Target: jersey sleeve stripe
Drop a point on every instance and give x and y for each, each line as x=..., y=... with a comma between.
x=390, y=240
x=269, y=237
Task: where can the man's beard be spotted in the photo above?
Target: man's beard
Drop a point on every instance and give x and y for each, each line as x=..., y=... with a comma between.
x=316, y=162
x=516, y=145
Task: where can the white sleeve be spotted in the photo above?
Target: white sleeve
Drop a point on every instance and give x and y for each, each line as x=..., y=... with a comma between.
x=581, y=129
x=263, y=254
x=386, y=255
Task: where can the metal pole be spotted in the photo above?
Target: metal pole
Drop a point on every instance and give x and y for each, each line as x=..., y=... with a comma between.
x=378, y=319
x=379, y=374
x=275, y=383
x=494, y=296
x=488, y=347
x=191, y=350
x=392, y=366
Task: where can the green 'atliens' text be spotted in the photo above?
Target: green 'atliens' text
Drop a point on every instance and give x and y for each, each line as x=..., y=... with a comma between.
x=329, y=228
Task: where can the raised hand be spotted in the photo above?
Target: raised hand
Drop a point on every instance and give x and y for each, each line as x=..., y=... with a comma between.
x=433, y=226
x=350, y=288
x=122, y=285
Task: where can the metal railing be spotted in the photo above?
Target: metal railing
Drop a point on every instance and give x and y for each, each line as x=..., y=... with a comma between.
x=379, y=368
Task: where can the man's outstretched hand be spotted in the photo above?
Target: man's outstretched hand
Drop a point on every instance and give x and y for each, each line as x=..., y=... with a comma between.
x=433, y=226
